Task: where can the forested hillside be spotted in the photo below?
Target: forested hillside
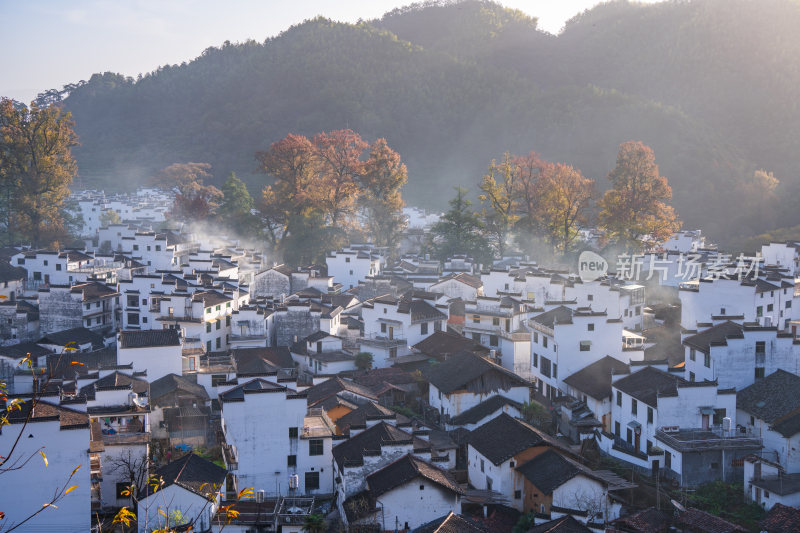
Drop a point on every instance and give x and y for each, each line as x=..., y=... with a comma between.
x=711, y=86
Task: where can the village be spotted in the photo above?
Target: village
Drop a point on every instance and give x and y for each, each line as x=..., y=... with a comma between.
x=188, y=379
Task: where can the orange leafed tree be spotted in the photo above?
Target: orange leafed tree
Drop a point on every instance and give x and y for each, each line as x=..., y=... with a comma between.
x=636, y=208
x=565, y=197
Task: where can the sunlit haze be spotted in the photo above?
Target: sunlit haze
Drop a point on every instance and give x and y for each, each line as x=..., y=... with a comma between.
x=72, y=40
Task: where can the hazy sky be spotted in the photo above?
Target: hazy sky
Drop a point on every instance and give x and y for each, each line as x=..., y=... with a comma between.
x=48, y=43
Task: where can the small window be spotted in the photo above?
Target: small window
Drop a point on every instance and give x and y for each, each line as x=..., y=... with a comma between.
x=619, y=398
x=293, y=433
x=634, y=406
x=590, y=297
x=208, y=327
x=383, y=328
x=493, y=340
x=58, y=267
x=422, y=487
x=219, y=343
x=691, y=376
x=590, y=327
x=616, y=429
x=291, y=460
x=476, y=319
x=423, y=328
x=517, y=494
x=219, y=324
x=217, y=308
x=586, y=346
x=692, y=354
x=495, y=321
x=536, y=337
x=535, y=360
x=482, y=465
x=346, y=259
x=544, y=342
x=312, y=480
x=759, y=373
x=649, y=415
x=315, y=447
x=123, y=491
x=707, y=360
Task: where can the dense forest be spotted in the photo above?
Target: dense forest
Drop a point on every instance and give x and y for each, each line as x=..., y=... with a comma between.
x=712, y=86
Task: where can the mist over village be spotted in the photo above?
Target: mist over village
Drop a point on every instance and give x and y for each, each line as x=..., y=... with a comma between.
x=458, y=266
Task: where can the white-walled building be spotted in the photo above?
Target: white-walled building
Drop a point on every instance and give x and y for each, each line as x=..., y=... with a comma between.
x=498, y=323
x=351, y=265
x=157, y=352
x=392, y=326
x=262, y=419
x=736, y=355
x=62, y=433
x=565, y=340
x=466, y=380
x=190, y=492
x=651, y=399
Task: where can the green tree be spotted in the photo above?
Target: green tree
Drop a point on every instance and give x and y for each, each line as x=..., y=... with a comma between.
x=314, y=523
x=460, y=231
x=364, y=360
x=36, y=170
x=108, y=217
x=236, y=208
x=636, y=208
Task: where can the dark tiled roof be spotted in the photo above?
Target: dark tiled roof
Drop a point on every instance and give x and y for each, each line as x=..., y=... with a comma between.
x=647, y=384
x=210, y=298
x=68, y=418
x=148, y=338
x=558, y=315
x=249, y=360
x=442, y=344
x=18, y=351
x=377, y=378
x=114, y=380
x=452, y=523
x=74, y=335
x=565, y=524
x=194, y=474
x=334, y=386
x=549, y=470
x=171, y=383
x=595, y=379
x=406, y=469
x=359, y=416
x=11, y=273
x=788, y=425
x=466, y=370
x=483, y=409
x=771, y=398
x=504, y=436
x=699, y=520
x=94, y=290
x=333, y=357
x=650, y=520
x=715, y=336
x=781, y=519
x=420, y=311
x=370, y=440
x=254, y=386
x=464, y=278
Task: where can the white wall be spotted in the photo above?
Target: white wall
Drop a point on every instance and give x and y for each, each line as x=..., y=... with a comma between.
x=24, y=491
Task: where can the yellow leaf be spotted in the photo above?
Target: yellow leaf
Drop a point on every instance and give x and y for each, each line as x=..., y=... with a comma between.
x=73, y=487
x=245, y=493
x=76, y=469
x=50, y=505
x=44, y=457
x=76, y=363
